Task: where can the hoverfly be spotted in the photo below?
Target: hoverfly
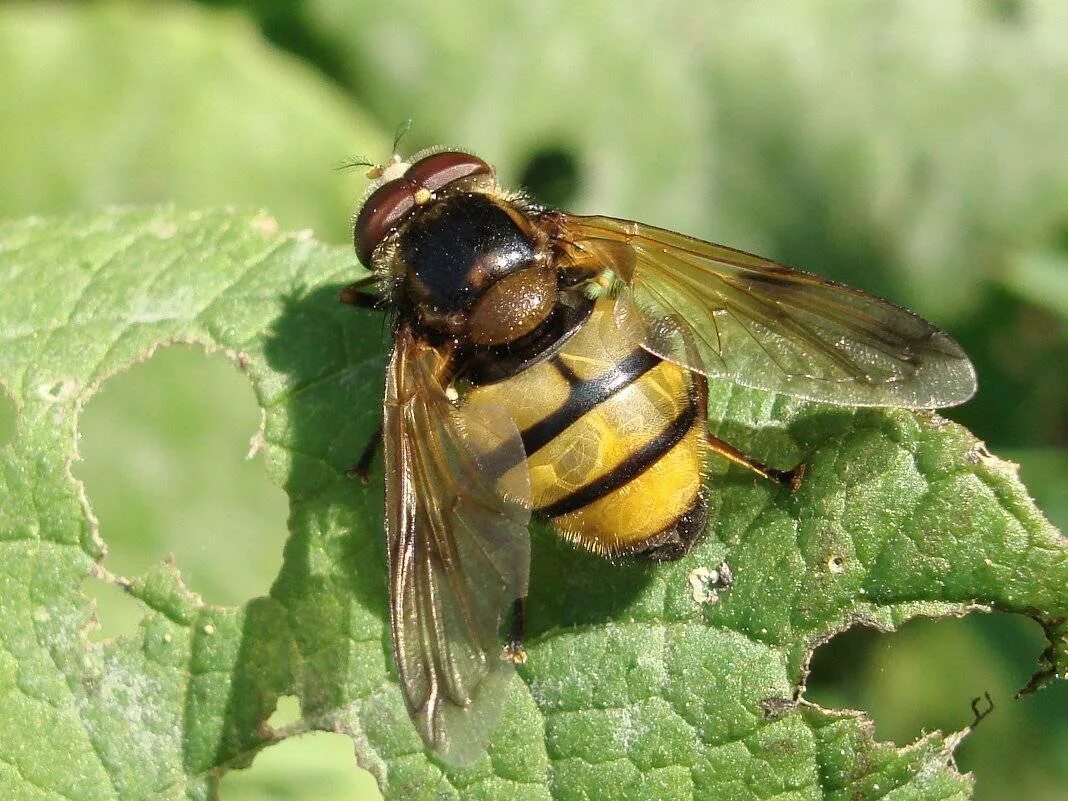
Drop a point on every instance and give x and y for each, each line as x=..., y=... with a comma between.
x=556, y=365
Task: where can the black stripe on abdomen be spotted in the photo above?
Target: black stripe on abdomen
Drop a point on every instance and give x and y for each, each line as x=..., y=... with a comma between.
x=628, y=469
x=584, y=395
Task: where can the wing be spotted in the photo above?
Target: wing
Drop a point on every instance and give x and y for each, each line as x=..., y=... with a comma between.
x=459, y=552
x=733, y=315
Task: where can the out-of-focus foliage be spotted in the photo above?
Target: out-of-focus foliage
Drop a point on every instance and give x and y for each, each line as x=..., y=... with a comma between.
x=118, y=103
x=922, y=140
x=913, y=149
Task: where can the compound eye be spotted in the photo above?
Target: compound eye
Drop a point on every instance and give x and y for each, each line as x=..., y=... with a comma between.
x=440, y=169
x=390, y=203
x=381, y=212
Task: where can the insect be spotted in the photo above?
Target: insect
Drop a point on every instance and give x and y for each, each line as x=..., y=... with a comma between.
x=556, y=365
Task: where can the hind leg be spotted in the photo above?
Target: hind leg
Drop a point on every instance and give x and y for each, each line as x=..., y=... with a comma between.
x=676, y=541
x=788, y=478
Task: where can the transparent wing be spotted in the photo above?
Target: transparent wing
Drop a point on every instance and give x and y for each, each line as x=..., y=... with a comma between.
x=459, y=551
x=764, y=325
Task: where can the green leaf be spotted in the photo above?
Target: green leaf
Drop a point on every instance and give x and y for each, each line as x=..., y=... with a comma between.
x=637, y=686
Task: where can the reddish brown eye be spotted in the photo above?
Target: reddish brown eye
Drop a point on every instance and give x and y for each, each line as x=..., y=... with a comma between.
x=387, y=206
x=380, y=213
x=440, y=169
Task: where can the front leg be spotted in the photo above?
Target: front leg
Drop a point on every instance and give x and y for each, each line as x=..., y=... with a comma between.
x=362, y=468
x=513, y=650
x=357, y=294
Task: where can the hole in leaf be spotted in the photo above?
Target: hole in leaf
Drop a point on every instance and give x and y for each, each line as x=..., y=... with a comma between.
x=286, y=712
x=924, y=676
x=552, y=176
x=7, y=417
x=117, y=614
x=320, y=766
x=164, y=463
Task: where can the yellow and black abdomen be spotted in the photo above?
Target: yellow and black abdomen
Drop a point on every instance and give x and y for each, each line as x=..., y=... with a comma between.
x=615, y=440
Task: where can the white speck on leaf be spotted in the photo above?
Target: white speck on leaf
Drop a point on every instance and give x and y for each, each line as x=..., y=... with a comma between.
x=265, y=224
x=163, y=229
x=701, y=580
x=706, y=583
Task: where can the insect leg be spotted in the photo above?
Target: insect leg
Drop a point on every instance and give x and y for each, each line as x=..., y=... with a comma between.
x=788, y=478
x=513, y=650
x=362, y=468
x=356, y=294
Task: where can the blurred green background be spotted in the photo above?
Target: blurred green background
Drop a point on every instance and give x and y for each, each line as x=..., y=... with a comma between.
x=915, y=149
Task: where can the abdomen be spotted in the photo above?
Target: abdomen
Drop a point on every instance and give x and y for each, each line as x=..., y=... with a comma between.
x=615, y=441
